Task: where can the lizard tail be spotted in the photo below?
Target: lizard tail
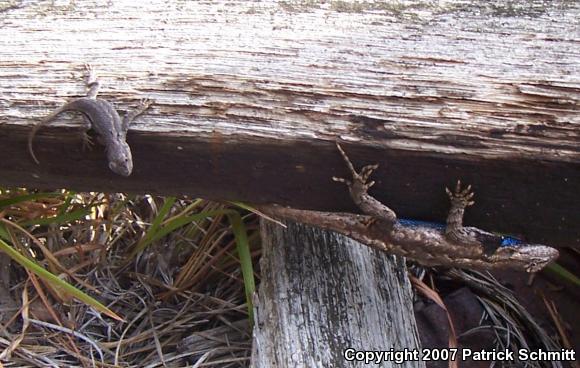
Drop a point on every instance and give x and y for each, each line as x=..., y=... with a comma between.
x=39, y=125
x=30, y=138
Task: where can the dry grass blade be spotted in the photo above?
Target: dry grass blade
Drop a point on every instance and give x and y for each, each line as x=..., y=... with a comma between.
x=7, y=353
x=431, y=294
x=257, y=212
x=42, y=273
x=514, y=327
x=553, y=311
x=184, y=282
x=71, y=332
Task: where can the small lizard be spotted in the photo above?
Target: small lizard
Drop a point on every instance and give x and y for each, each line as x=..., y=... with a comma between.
x=452, y=245
x=101, y=116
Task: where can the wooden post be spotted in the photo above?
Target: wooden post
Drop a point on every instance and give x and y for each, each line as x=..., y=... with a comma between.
x=324, y=297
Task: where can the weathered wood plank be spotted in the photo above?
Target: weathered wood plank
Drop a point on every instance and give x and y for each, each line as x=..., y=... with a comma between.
x=251, y=96
x=321, y=294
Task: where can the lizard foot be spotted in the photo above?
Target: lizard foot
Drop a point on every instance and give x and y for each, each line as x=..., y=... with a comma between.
x=145, y=103
x=91, y=73
x=460, y=198
x=358, y=179
x=92, y=81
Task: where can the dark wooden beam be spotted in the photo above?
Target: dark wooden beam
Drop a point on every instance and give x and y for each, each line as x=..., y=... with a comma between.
x=530, y=198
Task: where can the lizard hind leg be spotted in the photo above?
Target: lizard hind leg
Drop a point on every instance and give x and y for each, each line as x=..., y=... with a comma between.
x=358, y=188
x=460, y=199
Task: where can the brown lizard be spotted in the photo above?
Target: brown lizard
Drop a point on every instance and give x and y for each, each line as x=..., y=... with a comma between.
x=101, y=116
x=453, y=245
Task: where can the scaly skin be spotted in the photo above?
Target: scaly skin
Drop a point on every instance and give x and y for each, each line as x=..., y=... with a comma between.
x=101, y=116
x=456, y=246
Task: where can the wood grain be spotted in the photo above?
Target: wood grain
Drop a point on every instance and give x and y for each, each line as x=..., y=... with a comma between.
x=251, y=96
x=323, y=293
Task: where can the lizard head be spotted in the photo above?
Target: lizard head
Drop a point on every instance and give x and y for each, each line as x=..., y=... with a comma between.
x=120, y=158
x=529, y=257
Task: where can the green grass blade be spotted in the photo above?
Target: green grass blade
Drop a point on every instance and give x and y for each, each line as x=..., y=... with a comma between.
x=182, y=221
x=563, y=273
x=64, y=207
x=244, y=206
x=173, y=224
x=56, y=281
x=64, y=218
x=169, y=202
x=26, y=197
x=154, y=228
x=240, y=234
x=4, y=233
x=245, y=255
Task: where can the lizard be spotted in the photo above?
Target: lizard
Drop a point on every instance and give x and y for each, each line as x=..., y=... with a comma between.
x=451, y=245
x=101, y=116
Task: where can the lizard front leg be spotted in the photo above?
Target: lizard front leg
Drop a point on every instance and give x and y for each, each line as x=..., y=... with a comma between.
x=358, y=189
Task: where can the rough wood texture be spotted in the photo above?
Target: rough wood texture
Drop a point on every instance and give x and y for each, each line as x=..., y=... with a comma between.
x=322, y=293
x=252, y=95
